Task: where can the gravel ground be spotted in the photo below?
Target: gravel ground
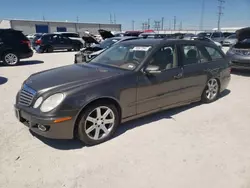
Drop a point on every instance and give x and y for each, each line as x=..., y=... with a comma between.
x=198, y=146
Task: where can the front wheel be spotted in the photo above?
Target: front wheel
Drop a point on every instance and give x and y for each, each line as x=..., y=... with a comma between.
x=211, y=91
x=98, y=123
x=10, y=59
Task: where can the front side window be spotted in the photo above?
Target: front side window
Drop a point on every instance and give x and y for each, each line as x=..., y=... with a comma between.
x=164, y=58
x=124, y=56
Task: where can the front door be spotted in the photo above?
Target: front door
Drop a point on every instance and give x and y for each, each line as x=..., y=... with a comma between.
x=162, y=88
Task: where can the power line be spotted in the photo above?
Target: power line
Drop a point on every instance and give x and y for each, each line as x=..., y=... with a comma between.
x=220, y=13
x=202, y=14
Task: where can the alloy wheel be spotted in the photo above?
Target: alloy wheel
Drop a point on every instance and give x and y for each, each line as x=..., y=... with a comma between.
x=212, y=89
x=99, y=123
x=11, y=59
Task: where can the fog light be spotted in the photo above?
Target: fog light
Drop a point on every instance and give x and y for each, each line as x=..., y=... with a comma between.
x=42, y=128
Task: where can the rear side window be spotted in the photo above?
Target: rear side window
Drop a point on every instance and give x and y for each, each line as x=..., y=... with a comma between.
x=214, y=53
x=192, y=54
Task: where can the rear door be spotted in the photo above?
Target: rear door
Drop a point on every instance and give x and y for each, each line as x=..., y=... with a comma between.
x=195, y=62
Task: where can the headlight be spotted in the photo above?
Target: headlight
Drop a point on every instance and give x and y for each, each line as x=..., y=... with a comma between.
x=38, y=102
x=52, y=102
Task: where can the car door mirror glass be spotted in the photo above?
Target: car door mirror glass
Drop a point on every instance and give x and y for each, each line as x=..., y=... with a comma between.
x=152, y=69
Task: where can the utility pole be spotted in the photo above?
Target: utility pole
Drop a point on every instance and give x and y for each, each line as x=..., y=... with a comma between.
x=202, y=14
x=110, y=18
x=148, y=23
x=170, y=25
x=77, y=19
x=43, y=18
x=174, y=22
x=157, y=25
x=220, y=13
x=114, y=19
x=180, y=26
x=133, y=25
x=162, y=23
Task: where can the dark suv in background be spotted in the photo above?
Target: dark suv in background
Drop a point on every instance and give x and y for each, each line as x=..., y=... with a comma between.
x=51, y=42
x=14, y=45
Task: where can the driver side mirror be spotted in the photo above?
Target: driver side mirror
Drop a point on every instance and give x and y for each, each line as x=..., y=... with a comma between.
x=152, y=69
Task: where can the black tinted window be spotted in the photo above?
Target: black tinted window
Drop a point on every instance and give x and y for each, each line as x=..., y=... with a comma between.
x=75, y=35
x=14, y=35
x=217, y=34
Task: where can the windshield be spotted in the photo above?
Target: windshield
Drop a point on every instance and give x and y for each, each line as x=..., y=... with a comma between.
x=204, y=34
x=124, y=56
x=232, y=36
x=108, y=42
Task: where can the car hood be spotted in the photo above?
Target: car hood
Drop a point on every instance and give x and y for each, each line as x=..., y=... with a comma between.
x=90, y=39
x=242, y=34
x=105, y=34
x=70, y=76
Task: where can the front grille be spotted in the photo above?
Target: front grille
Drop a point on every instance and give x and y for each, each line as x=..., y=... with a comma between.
x=26, y=96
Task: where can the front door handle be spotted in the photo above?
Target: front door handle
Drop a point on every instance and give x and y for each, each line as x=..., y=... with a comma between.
x=178, y=76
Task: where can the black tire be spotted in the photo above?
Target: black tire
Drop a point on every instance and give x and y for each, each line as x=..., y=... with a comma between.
x=10, y=58
x=49, y=49
x=208, y=89
x=77, y=47
x=69, y=50
x=82, y=124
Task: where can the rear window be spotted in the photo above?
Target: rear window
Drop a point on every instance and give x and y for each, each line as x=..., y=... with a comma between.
x=217, y=34
x=14, y=35
x=74, y=35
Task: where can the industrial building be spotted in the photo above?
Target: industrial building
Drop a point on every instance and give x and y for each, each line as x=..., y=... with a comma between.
x=33, y=26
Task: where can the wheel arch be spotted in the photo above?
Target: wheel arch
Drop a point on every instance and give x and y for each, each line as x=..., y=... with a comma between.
x=109, y=100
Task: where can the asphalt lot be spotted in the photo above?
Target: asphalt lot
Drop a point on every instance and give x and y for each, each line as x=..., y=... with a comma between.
x=198, y=146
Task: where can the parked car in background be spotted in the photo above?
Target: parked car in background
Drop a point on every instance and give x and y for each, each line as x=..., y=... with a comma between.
x=239, y=53
x=71, y=35
x=127, y=81
x=32, y=36
x=132, y=33
x=207, y=40
x=188, y=36
x=230, y=40
x=154, y=35
x=227, y=34
x=33, y=41
x=215, y=36
x=14, y=45
x=51, y=42
x=86, y=54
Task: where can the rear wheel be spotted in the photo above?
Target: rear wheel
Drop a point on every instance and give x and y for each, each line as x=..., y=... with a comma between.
x=10, y=59
x=98, y=123
x=49, y=49
x=77, y=47
x=211, y=91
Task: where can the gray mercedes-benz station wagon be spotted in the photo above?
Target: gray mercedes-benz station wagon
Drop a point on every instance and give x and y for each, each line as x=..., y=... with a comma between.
x=129, y=80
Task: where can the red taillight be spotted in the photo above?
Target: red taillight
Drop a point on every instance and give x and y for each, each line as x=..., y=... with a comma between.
x=38, y=42
x=26, y=42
